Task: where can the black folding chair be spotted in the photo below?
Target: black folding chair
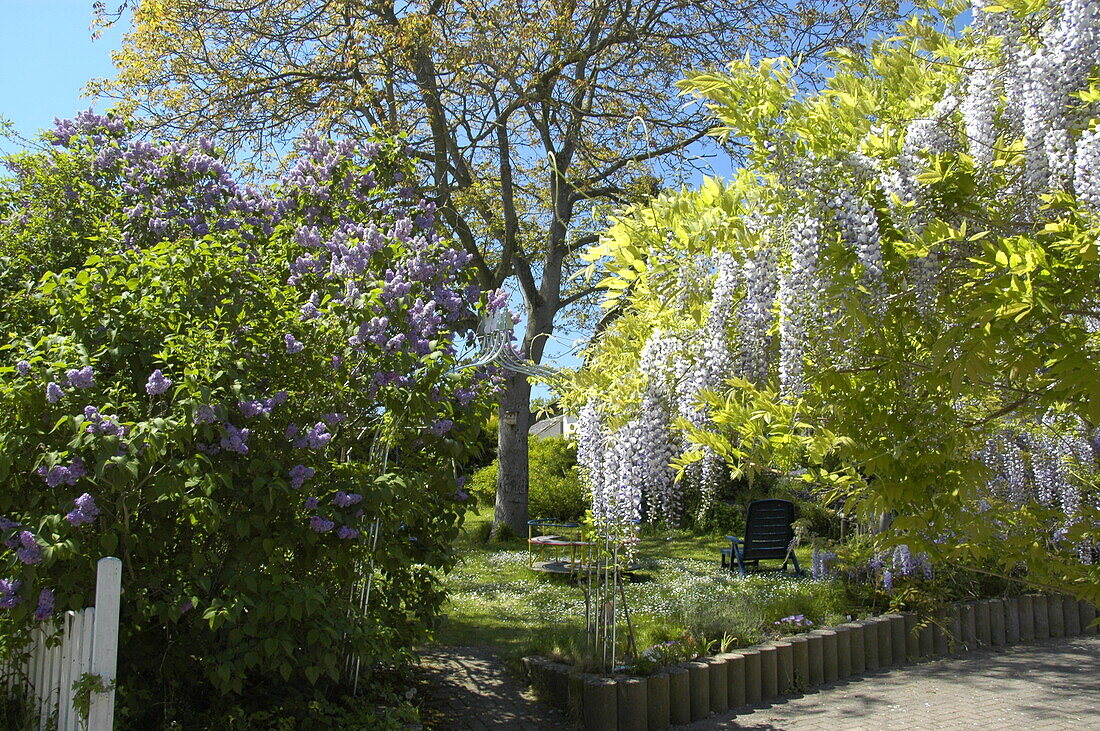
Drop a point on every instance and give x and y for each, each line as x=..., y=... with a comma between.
x=769, y=534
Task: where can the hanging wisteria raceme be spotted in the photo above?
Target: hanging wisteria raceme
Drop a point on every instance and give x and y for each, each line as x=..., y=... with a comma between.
x=1086, y=168
x=1048, y=74
x=717, y=354
x=592, y=442
x=690, y=378
x=658, y=358
x=627, y=467
x=979, y=107
x=755, y=314
x=1008, y=470
x=1049, y=470
x=799, y=289
x=859, y=228
x=658, y=445
x=661, y=444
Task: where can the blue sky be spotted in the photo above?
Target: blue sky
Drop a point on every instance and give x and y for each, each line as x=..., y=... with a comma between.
x=46, y=56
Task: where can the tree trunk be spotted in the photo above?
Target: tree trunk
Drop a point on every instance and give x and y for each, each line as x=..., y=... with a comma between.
x=512, y=472
x=515, y=423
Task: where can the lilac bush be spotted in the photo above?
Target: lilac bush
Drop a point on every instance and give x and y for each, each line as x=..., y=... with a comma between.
x=198, y=393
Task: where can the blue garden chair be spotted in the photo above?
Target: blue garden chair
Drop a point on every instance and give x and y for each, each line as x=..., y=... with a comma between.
x=769, y=534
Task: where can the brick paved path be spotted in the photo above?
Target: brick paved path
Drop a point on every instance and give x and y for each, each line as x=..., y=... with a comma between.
x=1045, y=685
x=471, y=689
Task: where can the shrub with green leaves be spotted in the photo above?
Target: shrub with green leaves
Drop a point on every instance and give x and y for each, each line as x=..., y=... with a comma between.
x=248, y=395
x=555, y=491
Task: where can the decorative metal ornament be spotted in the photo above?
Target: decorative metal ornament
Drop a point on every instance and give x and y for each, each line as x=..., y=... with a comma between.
x=494, y=339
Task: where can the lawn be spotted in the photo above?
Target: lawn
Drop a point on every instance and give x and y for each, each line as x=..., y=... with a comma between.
x=497, y=601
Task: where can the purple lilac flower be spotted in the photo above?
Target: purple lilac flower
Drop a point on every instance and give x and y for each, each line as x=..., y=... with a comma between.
x=292, y=430
x=320, y=525
x=498, y=298
x=45, y=605
x=250, y=409
x=157, y=383
x=30, y=552
x=441, y=427
x=309, y=311
x=235, y=440
x=82, y=378
x=311, y=503
x=334, y=419
x=347, y=533
x=299, y=473
x=316, y=438
x=101, y=424
x=208, y=449
x=292, y=344
x=85, y=510
x=346, y=499
x=6, y=524
x=337, y=361
x=8, y=593
x=186, y=606
x=461, y=495
x=61, y=475
x=23, y=367
x=54, y=393
x=205, y=414
x=888, y=580
x=76, y=470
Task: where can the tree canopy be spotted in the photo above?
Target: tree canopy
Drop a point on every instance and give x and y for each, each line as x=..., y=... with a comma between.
x=532, y=117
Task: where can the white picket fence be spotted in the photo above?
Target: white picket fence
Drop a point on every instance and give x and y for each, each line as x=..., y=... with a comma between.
x=89, y=644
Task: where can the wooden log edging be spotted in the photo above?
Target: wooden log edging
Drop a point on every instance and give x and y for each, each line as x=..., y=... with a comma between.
x=693, y=690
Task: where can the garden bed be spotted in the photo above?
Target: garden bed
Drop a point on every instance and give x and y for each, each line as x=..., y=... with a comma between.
x=691, y=691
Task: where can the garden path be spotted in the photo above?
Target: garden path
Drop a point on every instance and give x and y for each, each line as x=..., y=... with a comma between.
x=1045, y=685
x=470, y=689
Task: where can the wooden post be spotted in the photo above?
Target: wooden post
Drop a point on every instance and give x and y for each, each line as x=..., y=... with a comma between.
x=108, y=596
x=1012, y=620
x=633, y=703
x=753, y=676
x=656, y=698
x=699, y=689
x=735, y=678
x=830, y=651
x=996, y=622
x=718, y=674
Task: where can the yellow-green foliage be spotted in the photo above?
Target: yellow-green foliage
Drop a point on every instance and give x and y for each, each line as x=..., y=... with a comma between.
x=555, y=490
x=898, y=397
